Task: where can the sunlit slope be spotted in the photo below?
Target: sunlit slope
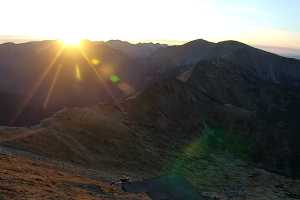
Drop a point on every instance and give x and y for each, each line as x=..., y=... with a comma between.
x=22, y=178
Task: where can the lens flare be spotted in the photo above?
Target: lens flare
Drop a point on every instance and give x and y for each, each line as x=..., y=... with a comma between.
x=101, y=80
x=114, y=78
x=95, y=61
x=78, y=73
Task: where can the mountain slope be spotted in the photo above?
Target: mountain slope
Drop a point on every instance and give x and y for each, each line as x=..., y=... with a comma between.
x=95, y=137
x=188, y=53
x=223, y=94
x=216, y=92
x=167, y=119
x=165, y=125
x=267, y=66
x=25, y=179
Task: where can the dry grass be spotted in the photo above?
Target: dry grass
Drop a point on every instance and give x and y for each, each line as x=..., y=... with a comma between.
x=26, y=179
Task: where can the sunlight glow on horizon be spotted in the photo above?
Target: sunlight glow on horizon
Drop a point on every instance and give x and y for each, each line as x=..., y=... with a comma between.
x=170, y=21
x=71, y=41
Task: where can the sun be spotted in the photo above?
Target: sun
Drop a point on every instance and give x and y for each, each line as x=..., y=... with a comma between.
x=71, y=41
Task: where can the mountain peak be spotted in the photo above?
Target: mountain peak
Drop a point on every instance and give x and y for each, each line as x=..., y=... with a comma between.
x=232, y=43
x=198, y=42
x=118, y=42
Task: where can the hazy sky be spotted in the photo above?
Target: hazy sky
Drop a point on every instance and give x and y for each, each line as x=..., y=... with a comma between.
x=263, y=22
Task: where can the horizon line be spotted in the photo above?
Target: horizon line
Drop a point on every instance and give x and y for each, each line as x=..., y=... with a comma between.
x=281, y=50
x=24, y=39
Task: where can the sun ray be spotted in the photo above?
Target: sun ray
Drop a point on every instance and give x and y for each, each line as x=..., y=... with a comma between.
x=36, y=86
x=78, y=73
x=45, y=105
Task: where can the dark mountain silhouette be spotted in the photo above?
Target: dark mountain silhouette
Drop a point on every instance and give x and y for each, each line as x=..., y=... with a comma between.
x=189, y=53
x=140, y=50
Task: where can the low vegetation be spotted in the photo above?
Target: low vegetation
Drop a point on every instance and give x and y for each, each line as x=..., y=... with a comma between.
x=220, y=141
x=215, y=160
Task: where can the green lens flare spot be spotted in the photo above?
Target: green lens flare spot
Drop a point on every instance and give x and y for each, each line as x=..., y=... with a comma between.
x=114, y=78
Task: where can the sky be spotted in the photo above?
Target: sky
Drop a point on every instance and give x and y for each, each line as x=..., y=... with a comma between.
x=258, y=22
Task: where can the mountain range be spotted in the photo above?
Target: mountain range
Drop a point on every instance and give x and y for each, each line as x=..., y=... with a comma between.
x=148, y=101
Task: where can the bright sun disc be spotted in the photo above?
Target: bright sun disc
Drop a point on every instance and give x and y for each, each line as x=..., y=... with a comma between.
x=71, y=41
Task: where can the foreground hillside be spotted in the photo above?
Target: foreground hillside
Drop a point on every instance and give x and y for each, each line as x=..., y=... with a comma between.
x=210, y=164
x=95, y=137
x=25, y=179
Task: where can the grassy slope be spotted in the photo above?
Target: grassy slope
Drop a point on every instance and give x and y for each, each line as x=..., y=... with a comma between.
x=216, y=162
x=24, y=179
x=87, y=137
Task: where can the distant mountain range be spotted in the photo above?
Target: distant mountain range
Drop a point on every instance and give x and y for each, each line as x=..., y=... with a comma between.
x=287, y=52
x=140, y=50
